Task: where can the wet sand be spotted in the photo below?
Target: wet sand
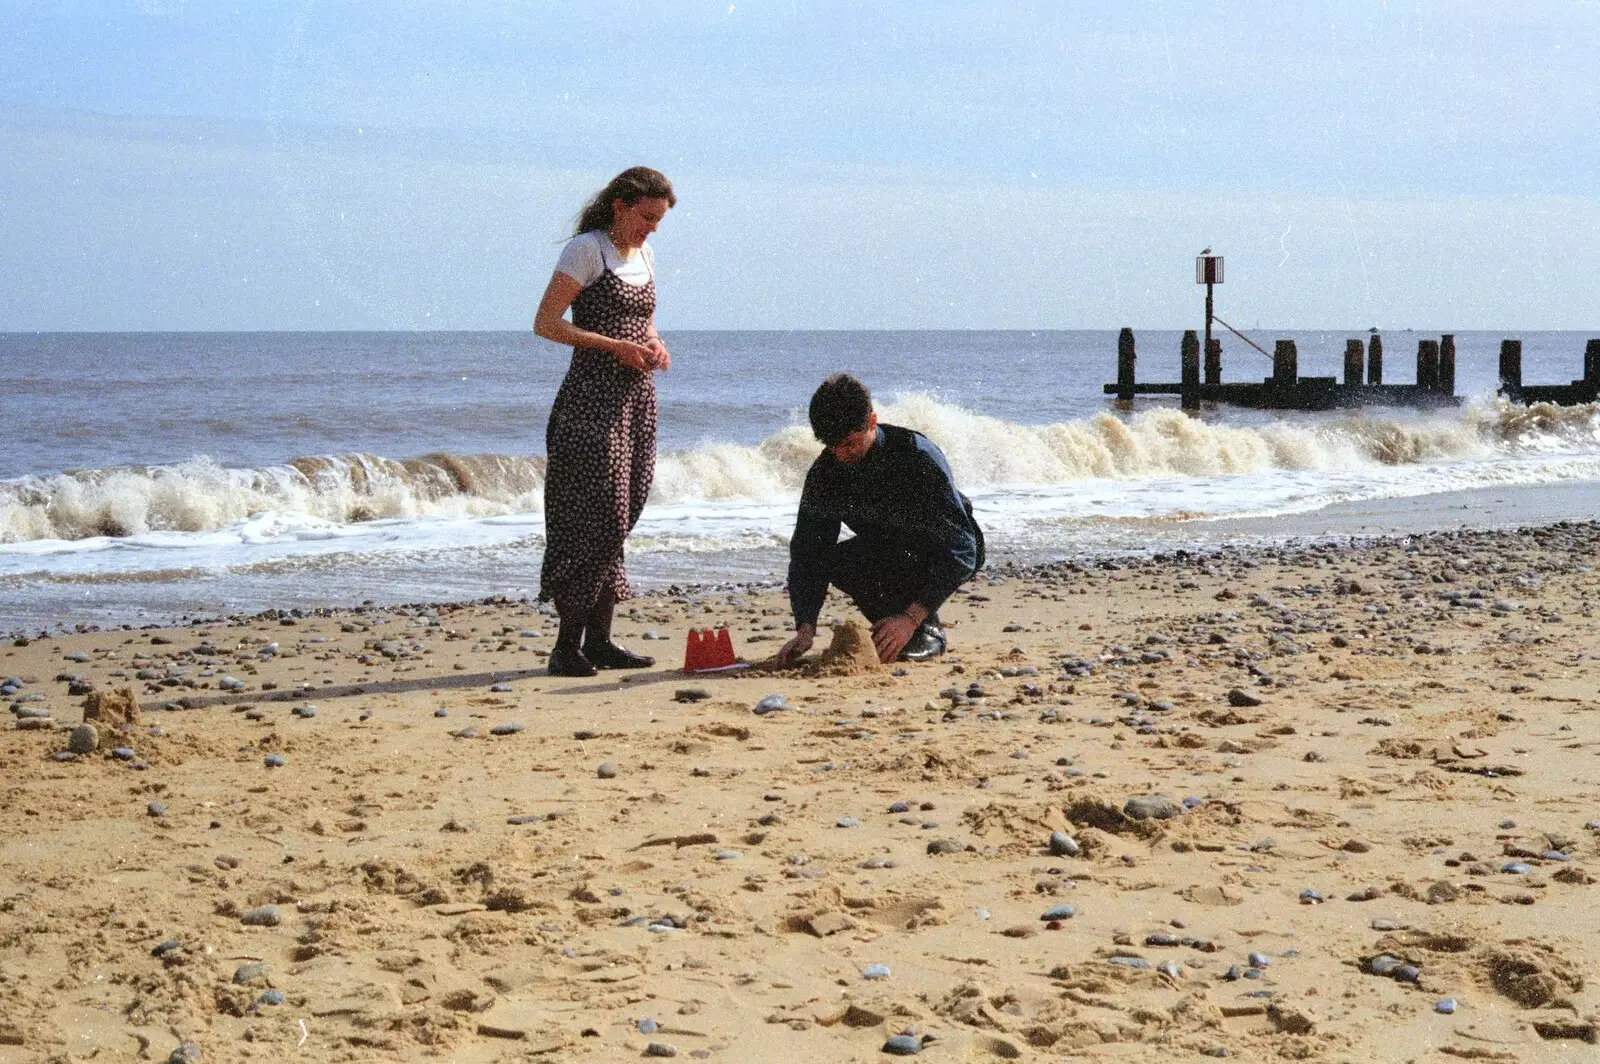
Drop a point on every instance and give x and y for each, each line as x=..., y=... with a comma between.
x=1369, y=779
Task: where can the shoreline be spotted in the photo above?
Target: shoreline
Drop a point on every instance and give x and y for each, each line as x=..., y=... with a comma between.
x=1503, y=510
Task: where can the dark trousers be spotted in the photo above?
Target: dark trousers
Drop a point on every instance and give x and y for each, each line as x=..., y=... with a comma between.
x=881, y=577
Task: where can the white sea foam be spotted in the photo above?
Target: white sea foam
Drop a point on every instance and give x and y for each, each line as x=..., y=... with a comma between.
x=1027, y=479
x=1163, y=445
x=200, y=495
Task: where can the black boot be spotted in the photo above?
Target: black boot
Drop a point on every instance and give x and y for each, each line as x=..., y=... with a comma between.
x=570, y=661
x=608, y=655
x=926, y=642
x=597, y=645
x=565, y=657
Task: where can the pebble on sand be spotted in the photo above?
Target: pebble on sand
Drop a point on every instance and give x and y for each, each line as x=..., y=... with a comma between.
x=85, y=739
x=903, y=1045
x=274, y=761
x=606, y=770
x=1151, y=807
x=1383, y=964
x=772, y=704
x=250, y=974
x=262, y=916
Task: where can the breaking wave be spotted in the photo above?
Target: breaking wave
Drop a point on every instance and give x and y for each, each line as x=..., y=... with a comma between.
x=986, y=452
x=200, y=495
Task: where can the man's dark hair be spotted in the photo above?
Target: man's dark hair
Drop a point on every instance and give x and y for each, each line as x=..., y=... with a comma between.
x=840, y=406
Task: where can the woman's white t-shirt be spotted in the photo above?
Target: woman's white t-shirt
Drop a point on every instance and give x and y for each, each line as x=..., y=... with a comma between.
x=587, y=255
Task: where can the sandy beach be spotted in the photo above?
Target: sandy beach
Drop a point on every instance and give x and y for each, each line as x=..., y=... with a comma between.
x=1321, y=802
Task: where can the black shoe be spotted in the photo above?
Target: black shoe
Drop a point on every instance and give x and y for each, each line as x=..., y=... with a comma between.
x=569, y=663
x=927, y=642
x=611, y=656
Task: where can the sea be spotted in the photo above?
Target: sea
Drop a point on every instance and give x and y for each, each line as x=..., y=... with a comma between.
x=153, y=478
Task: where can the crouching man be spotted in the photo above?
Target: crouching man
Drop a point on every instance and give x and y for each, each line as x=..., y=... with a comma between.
x=915, y=538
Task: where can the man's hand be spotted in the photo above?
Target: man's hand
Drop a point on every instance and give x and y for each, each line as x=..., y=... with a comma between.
x=796, y=648
x=891, y=635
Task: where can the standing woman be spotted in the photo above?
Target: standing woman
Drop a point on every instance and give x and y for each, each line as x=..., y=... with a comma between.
x=601, y=440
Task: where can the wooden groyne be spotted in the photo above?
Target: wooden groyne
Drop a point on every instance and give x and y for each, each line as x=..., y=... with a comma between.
x=1362, y=383
x=1584, y=390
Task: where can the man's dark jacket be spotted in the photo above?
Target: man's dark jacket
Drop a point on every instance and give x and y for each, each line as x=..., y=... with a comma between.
x=901, y=494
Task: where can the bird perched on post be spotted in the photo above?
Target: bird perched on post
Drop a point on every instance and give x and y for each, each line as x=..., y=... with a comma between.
x=1205, y=251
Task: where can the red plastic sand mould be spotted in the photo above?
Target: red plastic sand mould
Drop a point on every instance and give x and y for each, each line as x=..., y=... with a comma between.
x=709, y=649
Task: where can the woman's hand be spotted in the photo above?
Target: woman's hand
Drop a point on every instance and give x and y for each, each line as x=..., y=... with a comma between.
x=661, y=357
x=634, y=356
x=550, y=323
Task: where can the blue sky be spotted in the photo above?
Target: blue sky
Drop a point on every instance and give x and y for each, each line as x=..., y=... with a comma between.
x=322, y=165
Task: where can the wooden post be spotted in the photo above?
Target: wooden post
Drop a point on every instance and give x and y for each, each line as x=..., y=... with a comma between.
x=1353, y=357
x=1209, y=286
x=1214, y=361
x=1511, y=369
x=1125, y=360
x=1591, y=363
x=1190, y=355
x=1447, y=363
x=1374, y=359
x=1428, y=364
x=1285, y=364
